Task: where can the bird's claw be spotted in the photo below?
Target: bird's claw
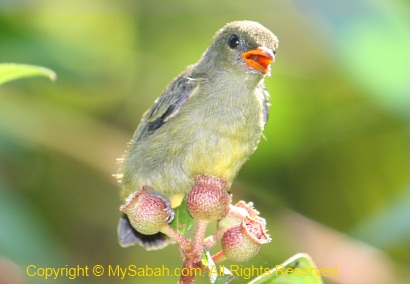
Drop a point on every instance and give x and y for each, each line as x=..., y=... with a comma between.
x=170, y=212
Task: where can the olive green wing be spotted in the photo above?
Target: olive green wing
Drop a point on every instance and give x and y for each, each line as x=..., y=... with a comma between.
x=174, y=97
x=166, y=106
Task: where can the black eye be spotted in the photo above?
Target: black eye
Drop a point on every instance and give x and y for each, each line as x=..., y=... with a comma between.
x=233, y=41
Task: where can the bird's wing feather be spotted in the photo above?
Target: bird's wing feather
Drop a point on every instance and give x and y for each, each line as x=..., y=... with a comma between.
x=166, y=106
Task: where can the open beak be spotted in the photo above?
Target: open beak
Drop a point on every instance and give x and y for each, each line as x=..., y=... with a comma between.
x=259, y=58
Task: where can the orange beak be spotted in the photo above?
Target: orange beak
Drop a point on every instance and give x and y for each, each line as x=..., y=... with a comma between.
x=259, y=59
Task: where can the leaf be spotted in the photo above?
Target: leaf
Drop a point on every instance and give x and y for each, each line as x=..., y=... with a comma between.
x=11, y=71
x=182, y=220
x=298, y=269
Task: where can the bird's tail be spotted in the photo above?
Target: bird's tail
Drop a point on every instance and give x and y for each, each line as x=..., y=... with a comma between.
x=128, y=236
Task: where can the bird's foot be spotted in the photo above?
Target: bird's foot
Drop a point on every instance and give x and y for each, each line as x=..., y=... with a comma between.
x=168, y=209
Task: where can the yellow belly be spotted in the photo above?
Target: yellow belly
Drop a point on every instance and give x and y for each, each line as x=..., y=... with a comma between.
x=222, y=159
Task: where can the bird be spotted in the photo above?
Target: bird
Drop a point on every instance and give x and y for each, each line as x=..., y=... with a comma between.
x=208, y=120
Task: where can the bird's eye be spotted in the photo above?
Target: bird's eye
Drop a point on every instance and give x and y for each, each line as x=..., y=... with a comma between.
x=233, y=41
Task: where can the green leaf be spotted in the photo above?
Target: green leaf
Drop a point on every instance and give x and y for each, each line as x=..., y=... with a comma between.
x=299, y=269
x=182, y=220
x=10, y=71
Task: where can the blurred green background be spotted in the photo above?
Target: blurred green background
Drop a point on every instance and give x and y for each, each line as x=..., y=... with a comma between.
x=331, y=177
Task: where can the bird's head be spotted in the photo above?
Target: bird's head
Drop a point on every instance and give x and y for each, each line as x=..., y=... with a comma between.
x=242, y=47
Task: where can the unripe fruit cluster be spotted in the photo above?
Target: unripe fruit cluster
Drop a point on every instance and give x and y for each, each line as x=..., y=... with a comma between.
x=240, y=228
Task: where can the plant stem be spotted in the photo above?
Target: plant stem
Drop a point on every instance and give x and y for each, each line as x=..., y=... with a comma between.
x=182, y=242
x=198, y=243
x=219, y=257
x=210, y=241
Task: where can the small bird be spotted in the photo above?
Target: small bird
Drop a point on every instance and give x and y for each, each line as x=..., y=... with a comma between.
x=208, y=120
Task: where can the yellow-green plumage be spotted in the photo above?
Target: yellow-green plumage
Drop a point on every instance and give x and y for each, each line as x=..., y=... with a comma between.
x=209, y=119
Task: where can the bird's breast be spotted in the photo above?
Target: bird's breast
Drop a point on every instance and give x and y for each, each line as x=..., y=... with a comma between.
x=223, y=137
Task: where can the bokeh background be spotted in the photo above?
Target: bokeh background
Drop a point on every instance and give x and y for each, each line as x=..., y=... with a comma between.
x=331, y=178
